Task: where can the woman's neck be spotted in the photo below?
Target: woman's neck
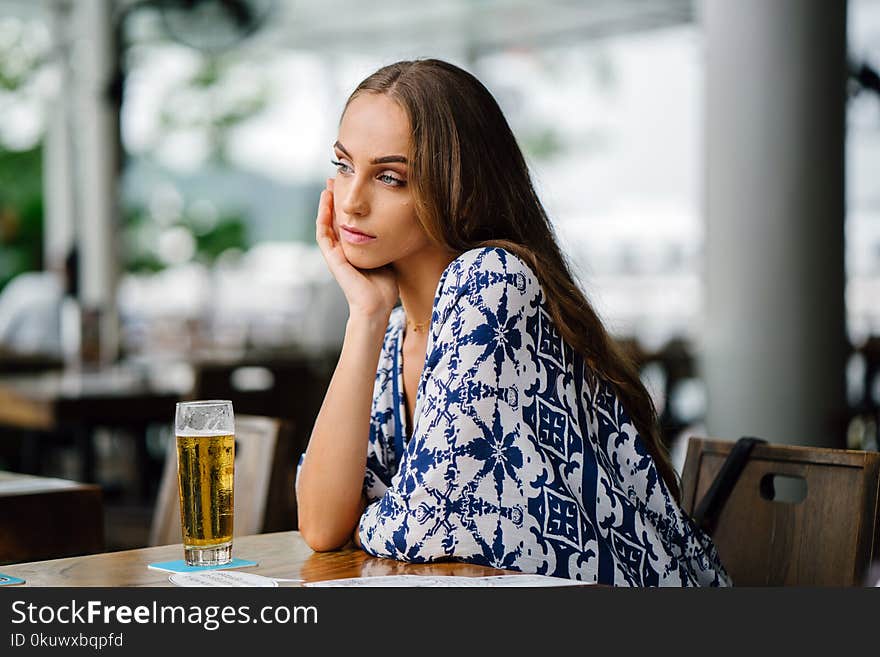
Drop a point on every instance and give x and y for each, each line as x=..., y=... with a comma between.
x=417, y=279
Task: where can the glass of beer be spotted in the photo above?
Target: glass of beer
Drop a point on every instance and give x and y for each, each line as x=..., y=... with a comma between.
x=205, y=433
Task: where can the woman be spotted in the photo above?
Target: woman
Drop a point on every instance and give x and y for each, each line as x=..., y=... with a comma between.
x=489, y=418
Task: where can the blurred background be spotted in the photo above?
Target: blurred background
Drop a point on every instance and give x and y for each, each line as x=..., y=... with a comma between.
x=712, y=169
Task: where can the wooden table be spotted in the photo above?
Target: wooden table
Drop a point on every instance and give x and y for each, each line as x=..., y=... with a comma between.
x=43, y=518
x=12, y=362
x=110, y=395
x=282, y=555
x=78, y=402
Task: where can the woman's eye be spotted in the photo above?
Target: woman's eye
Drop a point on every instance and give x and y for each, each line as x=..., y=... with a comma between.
x=388, y=179
x=342, y=167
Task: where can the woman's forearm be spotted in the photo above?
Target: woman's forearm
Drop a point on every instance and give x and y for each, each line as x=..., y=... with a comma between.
x=332, y=474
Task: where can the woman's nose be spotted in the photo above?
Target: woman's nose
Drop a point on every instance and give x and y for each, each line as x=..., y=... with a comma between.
x=354, y=200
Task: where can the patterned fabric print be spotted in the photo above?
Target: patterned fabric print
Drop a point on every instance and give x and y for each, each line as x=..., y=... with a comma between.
x=520, y=457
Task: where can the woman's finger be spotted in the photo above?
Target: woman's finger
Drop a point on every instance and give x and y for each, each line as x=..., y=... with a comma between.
x=354, y=283
x=328, y=240
x=323, y=223
x=326, y=237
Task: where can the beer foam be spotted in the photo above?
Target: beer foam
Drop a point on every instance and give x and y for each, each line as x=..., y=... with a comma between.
x=202, y=433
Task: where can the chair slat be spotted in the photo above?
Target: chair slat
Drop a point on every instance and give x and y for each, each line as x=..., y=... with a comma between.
x=264, y=497
x=827, y=539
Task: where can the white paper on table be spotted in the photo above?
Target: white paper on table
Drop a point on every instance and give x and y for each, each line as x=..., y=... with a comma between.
x=225, y=578
x=221, y=578
x=449, y=580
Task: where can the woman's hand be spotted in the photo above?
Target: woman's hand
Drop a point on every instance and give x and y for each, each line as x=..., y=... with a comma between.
x=370, y=293
x=329, y=489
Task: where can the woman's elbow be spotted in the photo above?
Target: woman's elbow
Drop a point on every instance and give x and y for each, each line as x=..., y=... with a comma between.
x=322, y=539
x=327, y=525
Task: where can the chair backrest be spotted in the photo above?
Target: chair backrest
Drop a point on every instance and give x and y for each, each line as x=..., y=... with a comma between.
x=797, y=516
x=265, y=468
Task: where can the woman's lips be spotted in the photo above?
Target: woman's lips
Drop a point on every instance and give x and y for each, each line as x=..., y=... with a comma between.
x=353, y=236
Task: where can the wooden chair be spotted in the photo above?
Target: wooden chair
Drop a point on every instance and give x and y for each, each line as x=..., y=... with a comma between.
x=825, y=539
x=266, y=455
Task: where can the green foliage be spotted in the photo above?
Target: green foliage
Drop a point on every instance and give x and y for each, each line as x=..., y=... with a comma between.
x=22, y=54
x=213, y=104
x=229, y=233
x=542, y=143
x=141, y=234
x=24, y=51
x=138, y=242
x=21, y=212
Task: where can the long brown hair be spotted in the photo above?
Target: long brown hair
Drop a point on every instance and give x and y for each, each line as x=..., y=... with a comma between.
x=472, y=188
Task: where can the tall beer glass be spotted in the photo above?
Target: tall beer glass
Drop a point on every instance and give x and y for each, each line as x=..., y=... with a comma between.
x=205, y=474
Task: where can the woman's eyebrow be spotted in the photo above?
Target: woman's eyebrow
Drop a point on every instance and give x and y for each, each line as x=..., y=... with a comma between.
x=385, y=159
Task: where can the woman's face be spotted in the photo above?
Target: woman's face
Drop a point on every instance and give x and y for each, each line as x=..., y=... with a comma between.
x=374, y=208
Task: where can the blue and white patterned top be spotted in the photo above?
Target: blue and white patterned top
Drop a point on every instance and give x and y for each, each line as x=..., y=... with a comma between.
x=519, y=457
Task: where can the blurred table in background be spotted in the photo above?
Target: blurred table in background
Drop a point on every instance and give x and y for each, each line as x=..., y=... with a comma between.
x=671, y=375
x=47, y=518
x=287, y=384
x=14, y=363
x=74, y=402
x=67, y=406
x=117, y=394
x=863, y=391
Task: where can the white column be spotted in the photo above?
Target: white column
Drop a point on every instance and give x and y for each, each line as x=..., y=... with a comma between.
x=59, y=190
x=775, y=339
x=97, y=165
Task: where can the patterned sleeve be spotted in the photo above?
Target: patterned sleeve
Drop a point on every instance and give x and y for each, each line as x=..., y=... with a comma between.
x=384, y=442
x=457, y=491
x=381, y=461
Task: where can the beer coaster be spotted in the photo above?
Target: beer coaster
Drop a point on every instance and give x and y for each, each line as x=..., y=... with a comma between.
x=221, y=578
x=179, y=566
x=9, y=580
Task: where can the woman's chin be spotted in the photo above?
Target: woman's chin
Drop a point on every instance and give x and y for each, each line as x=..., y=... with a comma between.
x=358, y=258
